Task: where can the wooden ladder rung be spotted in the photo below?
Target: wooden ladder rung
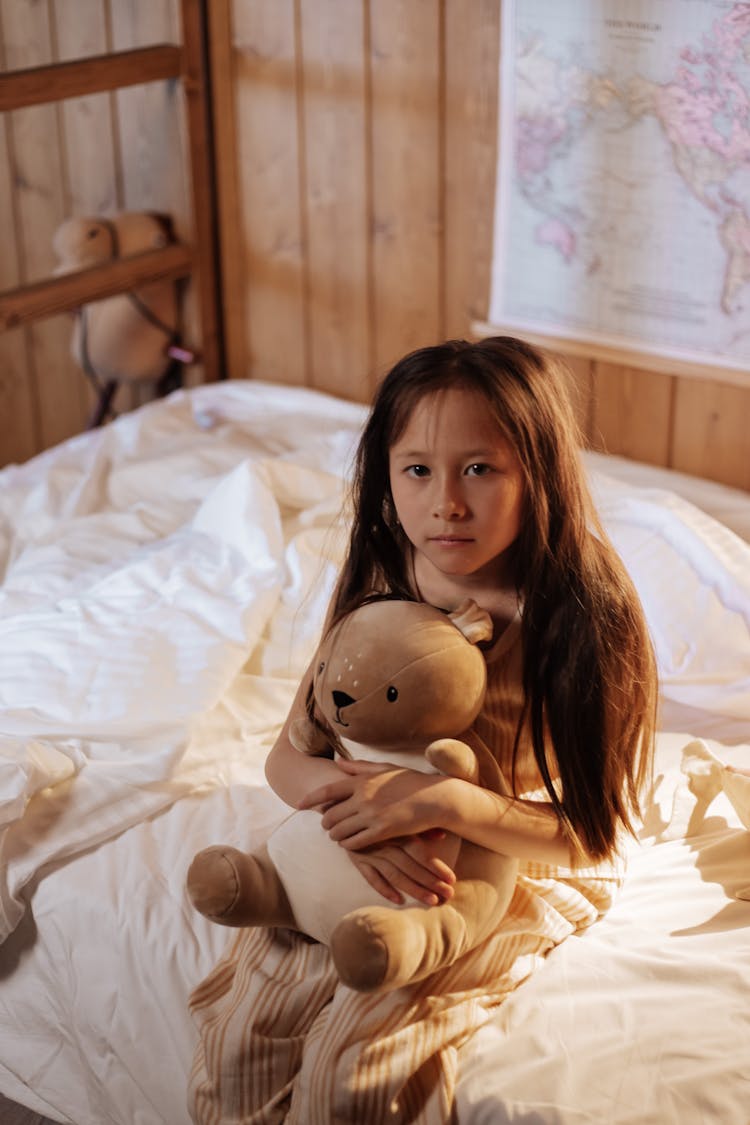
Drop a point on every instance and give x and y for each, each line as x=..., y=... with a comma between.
x=70, y=291
x=42, y=84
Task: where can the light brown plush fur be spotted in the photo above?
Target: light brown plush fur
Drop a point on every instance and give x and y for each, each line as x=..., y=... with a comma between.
x=394, y=682
x=122, y=345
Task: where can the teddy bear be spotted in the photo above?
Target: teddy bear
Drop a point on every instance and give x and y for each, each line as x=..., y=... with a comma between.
x=130, y=337
x=394, y=681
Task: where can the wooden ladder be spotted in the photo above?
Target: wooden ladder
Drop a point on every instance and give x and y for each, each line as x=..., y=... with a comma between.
x=187, y=63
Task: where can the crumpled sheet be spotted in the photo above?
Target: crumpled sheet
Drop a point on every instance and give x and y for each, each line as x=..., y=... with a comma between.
x=143, y=567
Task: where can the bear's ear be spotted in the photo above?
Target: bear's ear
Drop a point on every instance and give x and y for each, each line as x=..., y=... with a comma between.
x=474, y=623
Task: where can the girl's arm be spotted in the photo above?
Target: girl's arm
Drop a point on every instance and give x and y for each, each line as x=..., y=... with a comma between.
x=373, y=803
x=393, y=869
x=290, y=773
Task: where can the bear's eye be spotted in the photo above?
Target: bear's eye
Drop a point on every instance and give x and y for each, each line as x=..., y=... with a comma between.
x=321, y=666
x=392, y=694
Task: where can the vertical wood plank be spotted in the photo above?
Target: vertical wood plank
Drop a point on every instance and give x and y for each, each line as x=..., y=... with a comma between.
x=153, y=152
x=18, y=436
x=223, y=86
x=39, y=176
x=472, y=37
x=711, y=431
x=89, y=152
x=151, y=124
x=336, y=196
x=405, y=38
x=632, y=413
x=200, y=144
x=269, y=176
x=86, y=138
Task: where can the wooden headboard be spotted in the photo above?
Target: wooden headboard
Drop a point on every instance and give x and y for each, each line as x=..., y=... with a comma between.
x=355, y=148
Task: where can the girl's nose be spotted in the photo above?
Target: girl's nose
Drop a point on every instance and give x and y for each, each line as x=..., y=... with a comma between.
x=449, y=504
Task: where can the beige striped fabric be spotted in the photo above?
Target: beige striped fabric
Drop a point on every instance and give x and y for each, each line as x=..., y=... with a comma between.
x=282, y=1041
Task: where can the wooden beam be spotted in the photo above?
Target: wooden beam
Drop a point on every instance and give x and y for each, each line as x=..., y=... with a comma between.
x=41, y=84
x=61, y=294
x=223, y=85
x=196, y=84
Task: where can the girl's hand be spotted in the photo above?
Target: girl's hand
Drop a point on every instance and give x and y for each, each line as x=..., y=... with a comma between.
x=376, y=802
x=408, y=868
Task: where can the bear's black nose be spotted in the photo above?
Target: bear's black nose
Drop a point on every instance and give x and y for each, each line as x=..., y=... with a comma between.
x=341, y=699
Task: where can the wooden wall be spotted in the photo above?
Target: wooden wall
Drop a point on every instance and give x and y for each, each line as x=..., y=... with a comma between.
x=356, y=159
x=357, y=147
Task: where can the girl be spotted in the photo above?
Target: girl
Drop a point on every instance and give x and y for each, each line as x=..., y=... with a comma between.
x=468, y=483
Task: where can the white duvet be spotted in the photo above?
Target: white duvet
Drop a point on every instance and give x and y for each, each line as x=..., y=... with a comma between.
x=141, y=566
x=164, y=580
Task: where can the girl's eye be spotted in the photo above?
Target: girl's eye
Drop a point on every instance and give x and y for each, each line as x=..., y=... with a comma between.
x=418, y=471
x=479, y=469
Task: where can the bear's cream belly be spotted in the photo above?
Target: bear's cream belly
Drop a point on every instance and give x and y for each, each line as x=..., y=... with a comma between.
x=320, y=880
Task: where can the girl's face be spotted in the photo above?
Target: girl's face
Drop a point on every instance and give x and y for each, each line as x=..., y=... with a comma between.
x=457, y=487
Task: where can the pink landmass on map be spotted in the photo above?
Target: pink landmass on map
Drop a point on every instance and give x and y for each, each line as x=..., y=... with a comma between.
x=535, y=143
x=690, y=107
x=555, y=233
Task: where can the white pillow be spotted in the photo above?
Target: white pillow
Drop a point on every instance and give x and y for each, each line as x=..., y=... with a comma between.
x=693, y=577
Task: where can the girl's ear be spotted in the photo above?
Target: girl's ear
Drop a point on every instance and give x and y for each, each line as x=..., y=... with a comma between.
x=474, y=623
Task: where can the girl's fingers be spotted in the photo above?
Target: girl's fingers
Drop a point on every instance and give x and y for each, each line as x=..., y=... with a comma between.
x=416, y=847
x=379, y=884
x=326, y=795
x=341, y=819
x=361, y=765
x=340, y=823
x=402, y=876
x=421, y=885
x=358, y=841
x=443, y=871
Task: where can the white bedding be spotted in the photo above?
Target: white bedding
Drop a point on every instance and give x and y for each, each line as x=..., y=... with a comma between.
x=163, y=583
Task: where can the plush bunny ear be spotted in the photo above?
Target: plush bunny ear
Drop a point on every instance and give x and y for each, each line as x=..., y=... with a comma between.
x=708, y=775
x=474, y=623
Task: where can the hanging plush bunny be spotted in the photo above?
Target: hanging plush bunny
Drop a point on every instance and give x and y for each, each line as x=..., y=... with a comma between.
x=131, y=337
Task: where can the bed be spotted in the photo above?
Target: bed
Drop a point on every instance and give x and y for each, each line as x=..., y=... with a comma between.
x=164, y=580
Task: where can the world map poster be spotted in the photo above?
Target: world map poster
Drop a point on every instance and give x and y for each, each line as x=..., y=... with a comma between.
x=622, y=209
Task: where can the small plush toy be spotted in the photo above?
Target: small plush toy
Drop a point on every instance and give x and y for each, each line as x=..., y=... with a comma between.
x=131, y=337
x=396, y=682
x=707, y=776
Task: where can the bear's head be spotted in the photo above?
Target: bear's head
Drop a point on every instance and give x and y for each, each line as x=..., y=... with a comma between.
x=396, y=674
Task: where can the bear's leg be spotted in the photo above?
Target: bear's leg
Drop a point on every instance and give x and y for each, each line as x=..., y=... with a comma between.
x=384, y=948
x=237, y=889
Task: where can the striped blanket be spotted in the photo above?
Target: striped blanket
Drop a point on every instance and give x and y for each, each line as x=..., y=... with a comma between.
x=282, y=1041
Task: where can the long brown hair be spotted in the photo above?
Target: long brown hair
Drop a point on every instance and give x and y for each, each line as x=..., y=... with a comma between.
x=589, y=668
